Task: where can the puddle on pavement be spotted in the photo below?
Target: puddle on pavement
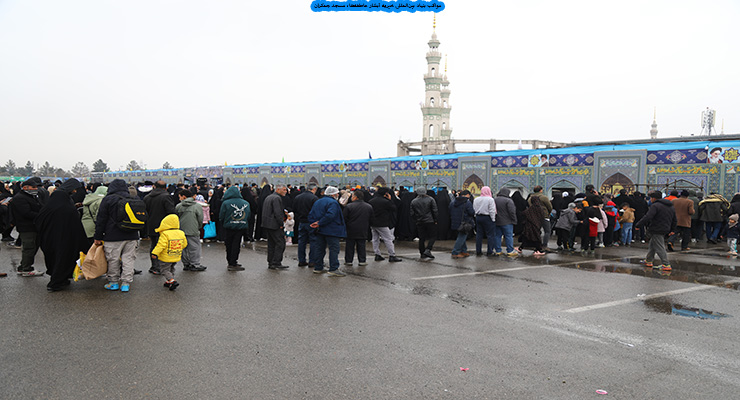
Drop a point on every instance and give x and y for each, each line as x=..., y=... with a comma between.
x=683, y=271
x=666, y=306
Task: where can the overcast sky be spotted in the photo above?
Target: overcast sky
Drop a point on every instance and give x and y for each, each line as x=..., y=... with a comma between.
x=243, y=81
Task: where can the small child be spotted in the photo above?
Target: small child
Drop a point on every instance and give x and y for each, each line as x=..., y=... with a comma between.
x=169, y=249
x=289, y=224
x=733, y=233
x=567, y=221
x=627, y=220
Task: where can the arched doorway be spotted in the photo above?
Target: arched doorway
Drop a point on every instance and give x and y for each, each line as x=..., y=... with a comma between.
x=617, y=182
x=474, y=184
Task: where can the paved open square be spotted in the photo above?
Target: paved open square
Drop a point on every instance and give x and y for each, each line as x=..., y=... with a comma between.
x=558, y=326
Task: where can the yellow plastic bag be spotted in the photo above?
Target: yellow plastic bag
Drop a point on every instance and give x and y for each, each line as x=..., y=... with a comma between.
x=77, y=274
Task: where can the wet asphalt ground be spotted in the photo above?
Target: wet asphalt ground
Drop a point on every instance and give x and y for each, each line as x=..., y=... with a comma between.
x=560, y=326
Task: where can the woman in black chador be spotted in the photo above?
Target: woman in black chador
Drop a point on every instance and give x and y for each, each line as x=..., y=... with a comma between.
x=61, y=235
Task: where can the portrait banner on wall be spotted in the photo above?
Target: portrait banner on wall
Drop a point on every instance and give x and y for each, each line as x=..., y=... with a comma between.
x=539, y=160
x=723, y=155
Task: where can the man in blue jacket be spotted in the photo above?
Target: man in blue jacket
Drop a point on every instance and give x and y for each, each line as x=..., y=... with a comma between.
x=326, y=217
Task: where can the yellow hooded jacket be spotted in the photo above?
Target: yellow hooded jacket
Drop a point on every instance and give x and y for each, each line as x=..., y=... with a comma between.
x=171, y=240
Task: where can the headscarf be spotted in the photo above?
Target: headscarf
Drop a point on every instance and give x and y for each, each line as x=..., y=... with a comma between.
x=485, y=191
x=70, y=184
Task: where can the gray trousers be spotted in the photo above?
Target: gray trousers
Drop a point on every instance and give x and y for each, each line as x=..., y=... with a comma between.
x=548, y=232
x=121, y=257
x=29, y=249
x=191, y=253
x=657, y=245
x=383, y=232
x=167, y=269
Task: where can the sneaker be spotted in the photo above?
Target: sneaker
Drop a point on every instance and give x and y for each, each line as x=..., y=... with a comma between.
x=111, y=286
x=349, y=264
x=458, y=256
x=337, y=273
x=362, y=264
x=281, y=266
x=170, y=284
x=646, y=263
x=125, y=287
x=154, y=271
x=187, y=268
x=32, y=272
x=395, y=259
x=303, y=264
x=513, y=254
x=199, y=268
x=8, y=239
x=319, y=271
x=234, y=268
x=427, y=254
x=378, y=257
x=14, y=246
x=665, y=267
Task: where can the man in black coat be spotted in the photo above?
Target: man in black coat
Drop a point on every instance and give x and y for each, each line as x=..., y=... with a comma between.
x=24, y=208
x=159, y=204
x=383, y=211
x=660, y=221
x=358, y=216
x=301, y=207
x=247, y=195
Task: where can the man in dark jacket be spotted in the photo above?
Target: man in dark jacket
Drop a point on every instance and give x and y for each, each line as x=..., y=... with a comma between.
x=358, y=216
x=546, y=210
x=424, y=214
x=327, y=219
x=234, y=217
x=505, y=221
x=246, y=193
x=273, y=218
x=301, y=207
x=120, y=245
x=712, y=210
x=660, y=221
x=159, y=204
x=461, y=212
x=383, y=211
x=24, y=208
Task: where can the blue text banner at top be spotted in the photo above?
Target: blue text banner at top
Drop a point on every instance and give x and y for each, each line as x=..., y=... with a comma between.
x=378, y=5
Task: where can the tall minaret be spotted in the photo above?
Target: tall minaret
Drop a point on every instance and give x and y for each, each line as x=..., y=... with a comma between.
x=654, y=126
x=435, y=108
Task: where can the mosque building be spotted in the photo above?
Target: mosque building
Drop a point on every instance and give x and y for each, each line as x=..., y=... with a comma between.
x=708, y=163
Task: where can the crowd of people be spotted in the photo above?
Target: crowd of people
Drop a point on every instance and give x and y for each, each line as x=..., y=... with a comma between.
x=66, y=218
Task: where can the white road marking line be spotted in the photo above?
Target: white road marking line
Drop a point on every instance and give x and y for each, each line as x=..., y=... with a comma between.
x=643, y=298
x=512, y=269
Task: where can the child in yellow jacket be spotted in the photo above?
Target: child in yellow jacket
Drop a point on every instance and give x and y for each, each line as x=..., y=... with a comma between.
x=169, y=249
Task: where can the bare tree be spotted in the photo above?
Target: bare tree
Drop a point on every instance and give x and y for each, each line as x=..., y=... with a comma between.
x=80, y=170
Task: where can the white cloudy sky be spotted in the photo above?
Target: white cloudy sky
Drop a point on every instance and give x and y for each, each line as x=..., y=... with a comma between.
x=241, y=81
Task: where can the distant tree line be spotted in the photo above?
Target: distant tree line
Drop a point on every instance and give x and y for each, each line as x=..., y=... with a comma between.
x=80, y=169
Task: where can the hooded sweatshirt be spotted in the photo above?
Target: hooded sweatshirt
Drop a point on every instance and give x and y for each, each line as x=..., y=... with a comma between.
x=505, y=208
x=190, y=213
x=90, y=207
x=234, y=211
x=105, y=224
x=171, y=240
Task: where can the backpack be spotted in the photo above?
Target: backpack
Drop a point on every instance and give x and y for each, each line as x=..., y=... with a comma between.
x=131, y=215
